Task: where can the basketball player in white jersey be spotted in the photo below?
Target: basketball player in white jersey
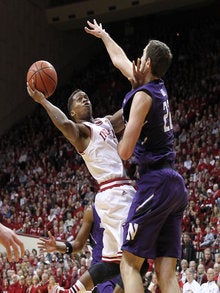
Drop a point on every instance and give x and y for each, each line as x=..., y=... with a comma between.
x=96, y=142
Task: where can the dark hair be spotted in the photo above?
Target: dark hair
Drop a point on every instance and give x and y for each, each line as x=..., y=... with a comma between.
x=160, y=56
x=70, y=100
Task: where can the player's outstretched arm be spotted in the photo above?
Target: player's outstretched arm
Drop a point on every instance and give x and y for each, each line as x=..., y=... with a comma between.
x=138, y=79
x=117, y=55
x=51, y=245
x=9, y=240
x=69, y=129
x=84, y=230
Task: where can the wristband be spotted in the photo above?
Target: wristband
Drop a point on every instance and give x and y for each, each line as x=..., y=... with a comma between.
x=69, y=248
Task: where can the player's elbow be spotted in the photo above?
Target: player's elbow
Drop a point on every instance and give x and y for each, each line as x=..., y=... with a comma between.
x=124, y=154
x=123, y=151
x=67, y=129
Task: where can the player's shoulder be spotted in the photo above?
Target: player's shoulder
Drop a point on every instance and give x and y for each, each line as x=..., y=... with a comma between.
x=103, y=120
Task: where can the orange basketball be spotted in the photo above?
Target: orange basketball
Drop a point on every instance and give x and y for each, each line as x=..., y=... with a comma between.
x=42, y=75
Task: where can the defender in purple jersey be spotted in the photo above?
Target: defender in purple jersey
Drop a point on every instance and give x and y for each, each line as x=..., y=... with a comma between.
x=153, y=226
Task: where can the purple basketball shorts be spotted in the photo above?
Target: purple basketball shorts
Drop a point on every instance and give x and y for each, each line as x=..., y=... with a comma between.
x=153, y=226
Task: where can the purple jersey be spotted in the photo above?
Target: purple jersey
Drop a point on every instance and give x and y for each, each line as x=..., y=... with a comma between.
x=156, y=139
x=153, y=226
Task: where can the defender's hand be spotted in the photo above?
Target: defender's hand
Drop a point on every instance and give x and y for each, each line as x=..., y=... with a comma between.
x=95, y=29
x=139, y=71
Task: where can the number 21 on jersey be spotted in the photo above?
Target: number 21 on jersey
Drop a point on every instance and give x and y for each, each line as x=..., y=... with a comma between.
x=167, y=125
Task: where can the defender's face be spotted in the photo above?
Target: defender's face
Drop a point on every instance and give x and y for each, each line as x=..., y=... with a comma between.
x=144, y=56
x=145, y=59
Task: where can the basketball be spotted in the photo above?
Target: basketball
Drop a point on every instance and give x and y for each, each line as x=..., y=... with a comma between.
x=42, y=76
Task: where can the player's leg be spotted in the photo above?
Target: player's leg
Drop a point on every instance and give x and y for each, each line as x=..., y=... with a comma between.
x=96, y=274
x=119, y=287
x=130, y=272
x=112, y=206
x=166, y=274
x=169, y=239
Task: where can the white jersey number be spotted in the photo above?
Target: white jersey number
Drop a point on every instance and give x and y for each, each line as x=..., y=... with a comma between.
x=167, y=126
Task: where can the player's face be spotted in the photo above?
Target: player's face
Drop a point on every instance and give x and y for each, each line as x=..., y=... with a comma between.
x=144, y=58
x=81, y=106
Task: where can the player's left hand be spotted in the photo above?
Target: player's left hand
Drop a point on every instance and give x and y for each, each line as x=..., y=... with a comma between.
x=139, y=71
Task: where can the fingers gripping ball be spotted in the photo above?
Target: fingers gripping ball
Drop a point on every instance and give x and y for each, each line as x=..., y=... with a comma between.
x=42, y=76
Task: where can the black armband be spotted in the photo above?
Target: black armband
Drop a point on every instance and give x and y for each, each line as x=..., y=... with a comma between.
x=69, y=248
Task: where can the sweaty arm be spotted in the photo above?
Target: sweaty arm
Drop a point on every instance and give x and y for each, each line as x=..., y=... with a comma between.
x=139, y=109
x=117, y=55
x=72, y=131
x=51, y=245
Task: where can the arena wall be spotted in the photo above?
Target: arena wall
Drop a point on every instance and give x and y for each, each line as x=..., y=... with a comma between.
x=26, y=36
x=30, y=242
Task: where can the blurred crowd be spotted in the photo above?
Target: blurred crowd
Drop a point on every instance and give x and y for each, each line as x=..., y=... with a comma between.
x=44, y=185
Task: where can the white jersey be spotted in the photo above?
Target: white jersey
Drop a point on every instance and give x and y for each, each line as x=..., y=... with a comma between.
x=116, y=193
x=101, y=156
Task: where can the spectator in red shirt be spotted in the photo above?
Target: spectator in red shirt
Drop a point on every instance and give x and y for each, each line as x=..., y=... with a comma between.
x=75, y=275
x=61, y=279
x=5, y=286
x=13, y=287
x=34, y=288
x=216, y=195
x=209, y=200
x=215, y=173
x=61, y=235
x=179, y=279
x=43, y=287
x=53, y=286
x=22, y=287
x=216, y=268
x=207, y=261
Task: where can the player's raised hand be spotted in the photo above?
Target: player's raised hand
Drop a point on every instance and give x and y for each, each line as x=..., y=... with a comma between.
x=94, y=29
x=139, y=71
x=35, y=94
x=47, y=245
